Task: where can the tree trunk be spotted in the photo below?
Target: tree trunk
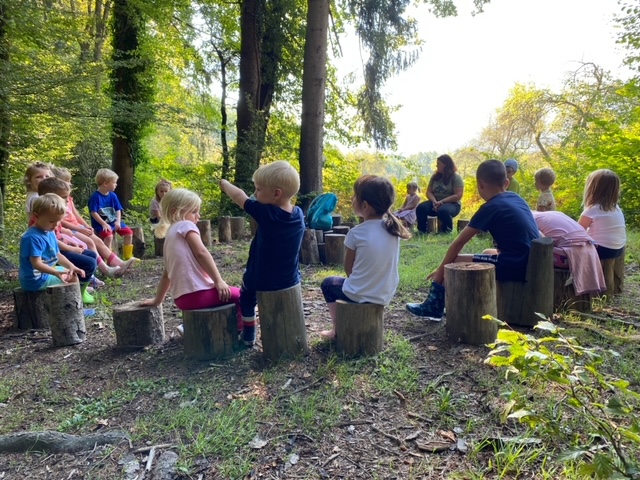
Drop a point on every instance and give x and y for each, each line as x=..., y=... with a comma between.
x=314, y=76
x=66, y=318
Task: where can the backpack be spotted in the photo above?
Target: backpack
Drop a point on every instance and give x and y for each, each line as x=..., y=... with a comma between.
x=319, y=213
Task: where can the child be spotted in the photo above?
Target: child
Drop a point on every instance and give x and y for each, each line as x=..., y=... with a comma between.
x=602, y=218
x=106, y=212
x=39, y=254
x=506, y=216
x=273, y=255
x=511, y=166
x=109, y=264
x=189, y=270
x=408, y=211
x=545, y=177
x=35, y=173
x=373, y=250
x=162, y=188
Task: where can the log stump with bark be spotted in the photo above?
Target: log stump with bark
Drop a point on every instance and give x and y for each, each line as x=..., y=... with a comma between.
x=237, y=228
x=613, y=270
x=341, y=229
x=137, y=240
x=282, y=327
x=334, y=248
x=158, y=246
x=470, y=294
x=137, y=326
x=564, y=295
x=359, y=328
x=30, y=310
x=519, y=303
x=204, y=227
x=66, y=316
x=462, y=224
x=309, y=254
x=224, y=229
x=210, y=333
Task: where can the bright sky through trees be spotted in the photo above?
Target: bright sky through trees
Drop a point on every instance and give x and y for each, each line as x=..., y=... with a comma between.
x=469, y=64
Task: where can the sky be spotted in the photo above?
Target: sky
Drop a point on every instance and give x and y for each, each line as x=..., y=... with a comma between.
x=468, y=64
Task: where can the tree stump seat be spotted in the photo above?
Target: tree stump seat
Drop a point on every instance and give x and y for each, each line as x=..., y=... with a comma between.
x=210, y=333
x=30, y=310
x=138, y=326
x=359, y=328
x=564, y=295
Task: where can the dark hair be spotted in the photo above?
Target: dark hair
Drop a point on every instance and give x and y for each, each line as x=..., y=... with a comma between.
x=449, y=169
x=492, y=172
x=380, y=194
x=52, y=185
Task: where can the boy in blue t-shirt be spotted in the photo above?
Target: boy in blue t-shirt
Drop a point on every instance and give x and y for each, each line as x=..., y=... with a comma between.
x=39, y=253
x=273, y=254
x=507, y=217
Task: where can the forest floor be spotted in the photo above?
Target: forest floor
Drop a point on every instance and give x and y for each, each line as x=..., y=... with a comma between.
x=426, y=407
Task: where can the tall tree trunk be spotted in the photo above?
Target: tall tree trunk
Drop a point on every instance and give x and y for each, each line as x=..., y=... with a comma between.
x=5, y=118
x=314, y=76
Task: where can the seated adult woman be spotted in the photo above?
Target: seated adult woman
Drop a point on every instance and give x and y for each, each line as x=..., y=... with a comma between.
x=444, y=192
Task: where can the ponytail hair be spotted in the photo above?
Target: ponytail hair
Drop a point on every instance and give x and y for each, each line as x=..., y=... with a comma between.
x=379, y=193
x=175, y=205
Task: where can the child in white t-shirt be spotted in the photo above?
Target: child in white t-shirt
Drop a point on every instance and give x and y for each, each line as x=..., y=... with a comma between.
x=373, y=250
x=189, y=269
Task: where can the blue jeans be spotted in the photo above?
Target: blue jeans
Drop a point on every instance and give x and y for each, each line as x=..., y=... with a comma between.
x=445, y=214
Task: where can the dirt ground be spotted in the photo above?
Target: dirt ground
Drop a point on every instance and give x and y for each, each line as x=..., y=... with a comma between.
x=389, y=436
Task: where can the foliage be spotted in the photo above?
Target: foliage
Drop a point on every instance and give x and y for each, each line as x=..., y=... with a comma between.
x=607, y=408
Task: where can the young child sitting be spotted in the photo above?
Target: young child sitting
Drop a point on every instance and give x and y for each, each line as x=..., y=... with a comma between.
x=407, y=214
x=506, y=216
x=162, y=187
x=189, y=269
x=573, y=249
x=106, y=212
x=273, y=254
x=511, y=166
x=602, y=217
x=41, y=264
x=373, y=250
x=545, y=177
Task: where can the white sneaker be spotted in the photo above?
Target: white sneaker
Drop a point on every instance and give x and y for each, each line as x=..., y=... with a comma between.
x=180, y=329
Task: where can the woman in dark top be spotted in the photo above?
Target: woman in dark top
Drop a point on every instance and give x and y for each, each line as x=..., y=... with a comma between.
x=444, y=192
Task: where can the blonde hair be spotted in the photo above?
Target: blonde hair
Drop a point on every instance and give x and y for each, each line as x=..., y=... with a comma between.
x=280, y=175
x=545, y=176
x=105, y=175
x=62, y=173
x=162, y=183
x=602, y=188
x=49, y=203
x=53, y=185
x=174, y=207
x=31, y=171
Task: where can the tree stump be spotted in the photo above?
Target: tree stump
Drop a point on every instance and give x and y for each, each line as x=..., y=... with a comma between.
x=137, y=326
x=204, y=227
x=359, y=328
x=237, y=228
x=224, y=229
x=470, y=294
x=341, y=229
x=282, y=326
x=139, y=246
x=30, y=310
x=613, y=270
x=564, y=295
x=433, y=224
x=66, y=317
x=462, y=224
x=322, y=254
x=211, y=332
x=334, y=248
x=336, y=220
x=253, y=226
x=320, y=236
x=309, y=254
x=519, y=302
x=158, y=246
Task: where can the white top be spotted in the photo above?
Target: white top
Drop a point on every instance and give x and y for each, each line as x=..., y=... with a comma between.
x=374, y=278
x=607, y=228
x=185, y=273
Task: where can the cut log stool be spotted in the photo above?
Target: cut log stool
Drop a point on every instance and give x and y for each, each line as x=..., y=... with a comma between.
x=237, y=228
x=613, y=270
x=30, y=310
x=204, y=227
x=210, y=333
x=462, y=224
x=564, y=295
x=334, y=248
x=66, y=317
x=309, y=254
x=282, y=326
x=224, y=229
x=359, y=328
x=519, y=302
x=470, y=294
x=137, y=326
x=139, y=246
x=158, y=246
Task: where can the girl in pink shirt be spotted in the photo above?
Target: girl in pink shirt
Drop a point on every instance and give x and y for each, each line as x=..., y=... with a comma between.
x=190, y=273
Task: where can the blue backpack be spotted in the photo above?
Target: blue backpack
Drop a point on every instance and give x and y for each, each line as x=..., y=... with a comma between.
x=319, y=213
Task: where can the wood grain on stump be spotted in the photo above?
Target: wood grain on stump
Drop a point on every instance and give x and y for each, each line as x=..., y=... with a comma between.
x=138, y=326
x=66, y=316
x=211, y=332
x=359, y=328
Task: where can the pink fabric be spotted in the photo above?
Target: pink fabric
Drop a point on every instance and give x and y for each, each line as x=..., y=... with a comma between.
x=572, y=241
x=209, y=299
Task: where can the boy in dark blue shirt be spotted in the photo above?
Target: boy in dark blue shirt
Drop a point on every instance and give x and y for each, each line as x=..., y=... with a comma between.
x=273, y=254
x=507, y=217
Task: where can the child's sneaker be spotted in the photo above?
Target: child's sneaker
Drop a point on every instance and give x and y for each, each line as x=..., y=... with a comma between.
x=180, y=329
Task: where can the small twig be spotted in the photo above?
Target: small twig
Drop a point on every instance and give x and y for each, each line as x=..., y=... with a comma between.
x=151, y=447
x=330, y=459
x=302, y=389
x=389, y=436
x=152, y=454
